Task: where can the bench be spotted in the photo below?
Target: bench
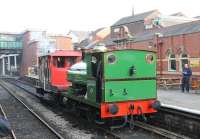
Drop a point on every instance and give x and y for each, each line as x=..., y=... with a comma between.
x=195, y=84
x=169, y=82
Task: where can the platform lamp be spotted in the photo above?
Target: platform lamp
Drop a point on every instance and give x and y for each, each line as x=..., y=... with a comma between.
x=159, y=43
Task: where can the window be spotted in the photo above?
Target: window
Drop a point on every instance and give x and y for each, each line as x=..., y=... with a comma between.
x=151, y=45
x=172, y=62
x=183, y=61
x=148, y=26
x=59, y=62
x=116, y=30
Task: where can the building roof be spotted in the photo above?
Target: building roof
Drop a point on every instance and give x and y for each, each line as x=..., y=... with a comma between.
x=95, y=37
x=169, y=20
x=135, y=18
x=185, y=28
x=178, y=14
x=80, y=34
x=180, y=29
x=198, y=17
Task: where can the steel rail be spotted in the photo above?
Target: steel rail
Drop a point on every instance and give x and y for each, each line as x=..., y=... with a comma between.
x=24, y=89
x=116, y=136
x=26, y=83
x=11, y=92
x=160, y=131
x=5, y=116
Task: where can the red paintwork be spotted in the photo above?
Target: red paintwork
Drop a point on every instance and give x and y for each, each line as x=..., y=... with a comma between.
x=59, y=78
x=66, y=53
x=59, y=75
x=124, y=108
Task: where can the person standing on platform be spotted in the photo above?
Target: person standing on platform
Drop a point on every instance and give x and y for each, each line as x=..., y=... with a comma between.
x=187, y=72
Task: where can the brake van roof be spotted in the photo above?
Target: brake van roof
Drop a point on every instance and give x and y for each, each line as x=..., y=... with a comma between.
x=65, y=53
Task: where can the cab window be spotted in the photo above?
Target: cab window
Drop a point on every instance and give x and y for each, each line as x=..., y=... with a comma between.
x=59, y=62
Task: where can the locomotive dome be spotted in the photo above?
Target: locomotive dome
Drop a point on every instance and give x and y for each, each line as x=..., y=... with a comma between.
x=100, y=48
x=78, y=68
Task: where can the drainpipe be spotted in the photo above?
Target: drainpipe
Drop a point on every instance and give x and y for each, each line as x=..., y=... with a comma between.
x=159, y=48
x=160, y=51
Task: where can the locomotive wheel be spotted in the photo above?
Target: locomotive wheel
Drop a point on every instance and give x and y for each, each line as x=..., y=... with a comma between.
x=63, y=101
x=91, y=116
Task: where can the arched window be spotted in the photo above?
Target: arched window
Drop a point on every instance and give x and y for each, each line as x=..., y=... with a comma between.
x=183, y=60
x=172, y=62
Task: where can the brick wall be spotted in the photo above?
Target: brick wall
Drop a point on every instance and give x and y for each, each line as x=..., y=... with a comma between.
x=30, y=54
x=64, y=43
x=181, y=44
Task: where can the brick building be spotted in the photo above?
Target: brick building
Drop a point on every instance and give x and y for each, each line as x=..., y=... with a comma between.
x=37, y=43
x=61, y=42
x=175, y=38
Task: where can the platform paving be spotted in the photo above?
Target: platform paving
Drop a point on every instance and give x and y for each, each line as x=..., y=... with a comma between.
x=189, y=100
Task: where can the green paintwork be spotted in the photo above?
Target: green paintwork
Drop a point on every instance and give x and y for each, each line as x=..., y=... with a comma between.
x=70, y=91
x=77, y=78
x=80, y=99
x=91, y=90
x=88, y=61
x=129, y=90
x=117, y=82
x=136, y=89
x=124, y=60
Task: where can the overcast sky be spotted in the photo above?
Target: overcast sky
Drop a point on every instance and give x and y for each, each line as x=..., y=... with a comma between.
x=59, y=16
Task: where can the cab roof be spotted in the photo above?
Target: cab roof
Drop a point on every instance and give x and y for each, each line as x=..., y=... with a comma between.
x=65, y=53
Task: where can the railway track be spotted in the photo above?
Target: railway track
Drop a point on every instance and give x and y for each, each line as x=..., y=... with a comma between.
x=159, y=132
x=162, y=132
x=24, y=121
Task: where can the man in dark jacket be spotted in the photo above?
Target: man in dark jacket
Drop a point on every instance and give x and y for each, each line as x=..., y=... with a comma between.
x=187, y=72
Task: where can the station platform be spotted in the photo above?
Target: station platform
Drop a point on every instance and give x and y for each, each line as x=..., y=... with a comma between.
x=189, y=102
x=36, y=77
x=9, y=77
